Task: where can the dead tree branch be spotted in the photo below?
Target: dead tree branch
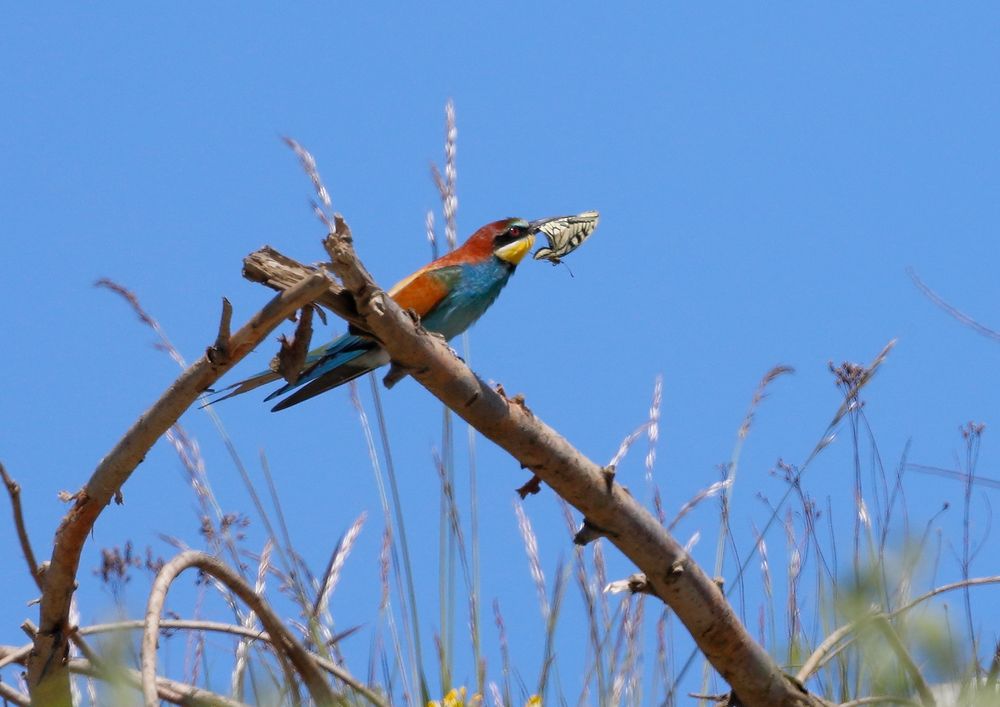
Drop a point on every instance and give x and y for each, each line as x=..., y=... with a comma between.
x=281, y=638
x=14, y=491
x=279, y=272
x=48, y=676
x=671, y=573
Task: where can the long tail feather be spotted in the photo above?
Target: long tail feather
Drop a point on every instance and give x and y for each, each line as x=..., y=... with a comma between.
x=341, y=375
x=343, y=359
x=244, y=386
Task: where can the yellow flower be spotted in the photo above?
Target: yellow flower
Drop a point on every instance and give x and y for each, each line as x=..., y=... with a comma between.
x=534, y=701
x=454, y=698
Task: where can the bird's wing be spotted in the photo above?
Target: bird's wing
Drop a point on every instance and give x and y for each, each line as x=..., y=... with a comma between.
x=425, y=289
x=335, y=363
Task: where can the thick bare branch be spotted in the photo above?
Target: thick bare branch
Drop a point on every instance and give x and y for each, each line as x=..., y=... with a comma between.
x=281, y=638
x=671, y=573
x=279, y=272
x=48, y=678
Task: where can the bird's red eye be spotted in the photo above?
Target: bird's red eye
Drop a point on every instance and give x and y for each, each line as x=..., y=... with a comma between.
x=515, y=231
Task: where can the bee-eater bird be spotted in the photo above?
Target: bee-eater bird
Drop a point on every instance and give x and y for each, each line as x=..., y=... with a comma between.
x=449, y=295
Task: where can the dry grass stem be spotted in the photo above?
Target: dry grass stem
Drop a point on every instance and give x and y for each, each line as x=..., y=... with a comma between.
x=309, y=167
x=144, y=316
x=336, y=565
x=959, y=315
x=243, y=647
x=534, y=561
x=653, y=427
x=691, y=503
x=626, y=444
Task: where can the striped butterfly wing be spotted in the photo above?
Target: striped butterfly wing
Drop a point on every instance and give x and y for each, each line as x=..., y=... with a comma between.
x=565, y=235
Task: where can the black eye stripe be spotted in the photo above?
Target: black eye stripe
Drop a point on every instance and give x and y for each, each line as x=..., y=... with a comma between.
x=510, y=235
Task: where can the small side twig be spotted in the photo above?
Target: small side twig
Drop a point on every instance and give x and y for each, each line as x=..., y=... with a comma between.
x=533, y=486
x=292, y=356
x=225, y=326
x=634, y=584
x=14, y=491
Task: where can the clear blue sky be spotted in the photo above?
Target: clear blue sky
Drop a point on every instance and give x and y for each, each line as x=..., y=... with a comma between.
x=765, y=174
